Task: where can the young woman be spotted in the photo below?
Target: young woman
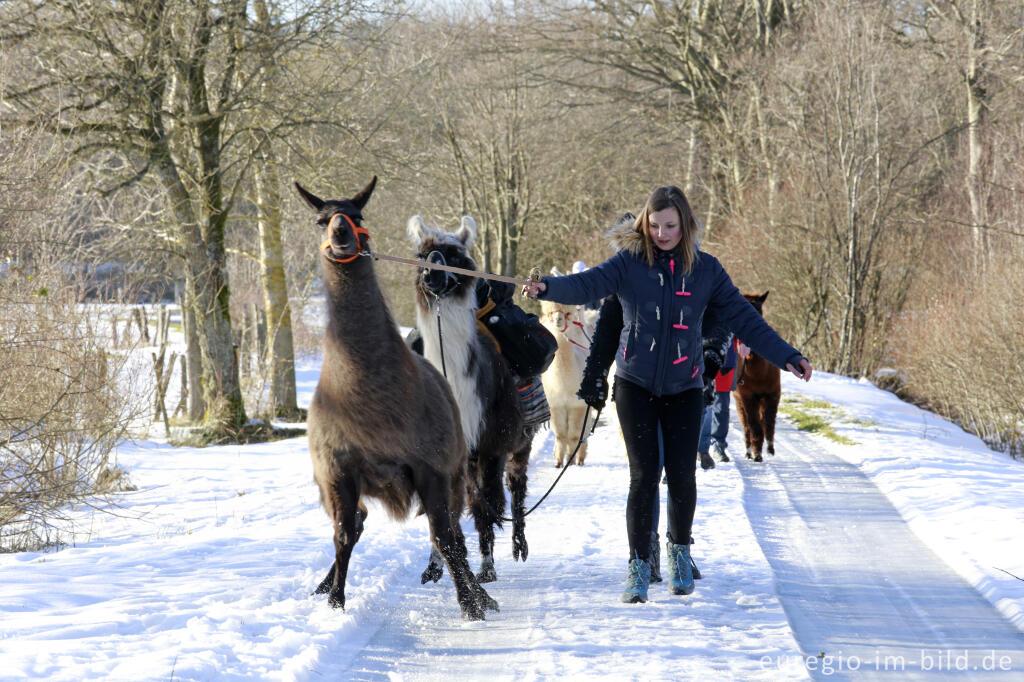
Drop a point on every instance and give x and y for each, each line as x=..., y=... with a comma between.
x=664, y=284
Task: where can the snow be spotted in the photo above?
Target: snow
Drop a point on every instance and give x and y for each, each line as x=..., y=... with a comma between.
x=205, y=571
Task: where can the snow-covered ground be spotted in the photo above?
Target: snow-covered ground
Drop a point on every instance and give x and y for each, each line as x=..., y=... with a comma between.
x=205, y=572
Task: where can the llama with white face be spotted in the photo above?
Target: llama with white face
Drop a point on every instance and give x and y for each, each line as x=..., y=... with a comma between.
x=497, y=438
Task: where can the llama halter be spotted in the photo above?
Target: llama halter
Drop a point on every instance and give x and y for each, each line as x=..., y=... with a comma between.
x=359, y=232
x=564, y=331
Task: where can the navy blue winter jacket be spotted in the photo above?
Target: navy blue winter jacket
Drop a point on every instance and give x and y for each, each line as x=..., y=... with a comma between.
x=660, y=343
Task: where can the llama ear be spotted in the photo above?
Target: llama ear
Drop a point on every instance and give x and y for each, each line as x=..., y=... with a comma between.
x=467, y=232
x=315, y=202
x=360, y=199
x=416, y=230
x=556, y=272
x=764, y=295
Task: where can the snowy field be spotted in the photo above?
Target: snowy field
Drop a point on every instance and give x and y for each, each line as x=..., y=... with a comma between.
x=205, y=572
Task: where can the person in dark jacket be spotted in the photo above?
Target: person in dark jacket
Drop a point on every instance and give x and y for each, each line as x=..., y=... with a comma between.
x=665, y=283
x=594, y=392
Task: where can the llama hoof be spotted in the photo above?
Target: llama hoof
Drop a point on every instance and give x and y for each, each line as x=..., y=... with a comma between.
x=324, y=587
x=337, y=599
x=771, y=449
x=558, y=464
x=758, y=458
x=706, y=461
x=487, y=575
x=519, y=547
x=472, y=612
x=433, y=574
x=486, y=601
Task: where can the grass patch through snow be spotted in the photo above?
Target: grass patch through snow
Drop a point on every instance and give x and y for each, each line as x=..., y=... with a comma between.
x=805, y=414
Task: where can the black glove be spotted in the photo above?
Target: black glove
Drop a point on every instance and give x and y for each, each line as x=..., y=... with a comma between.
x=593, y=390
x=712, y=363
x=709, y=393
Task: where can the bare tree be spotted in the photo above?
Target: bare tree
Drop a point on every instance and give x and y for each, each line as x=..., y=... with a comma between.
x=850, y=147
x=157, y=91
x=685, y=60
x=980, y=40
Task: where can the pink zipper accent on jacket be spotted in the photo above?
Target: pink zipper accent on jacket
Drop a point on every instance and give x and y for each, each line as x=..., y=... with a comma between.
x=695, y=370
x=682, y=359
x=680, y=326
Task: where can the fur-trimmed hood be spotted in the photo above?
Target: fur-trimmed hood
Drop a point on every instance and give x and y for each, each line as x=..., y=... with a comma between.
x=623, y=235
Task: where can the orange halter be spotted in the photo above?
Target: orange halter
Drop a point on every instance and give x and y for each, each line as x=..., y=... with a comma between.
x=356, y=230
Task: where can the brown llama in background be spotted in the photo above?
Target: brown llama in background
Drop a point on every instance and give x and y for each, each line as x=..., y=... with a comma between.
x=757, y=395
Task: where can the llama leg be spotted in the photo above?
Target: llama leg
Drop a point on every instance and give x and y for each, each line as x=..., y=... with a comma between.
x=757, y=428
x=447, y=537
x=434, y=569
x=483, y=600
x=516, y=477
x=342, y=501
x=742, y=411
x=487, y=503
x=771, y=409
x=328, y=581
x=559, y=417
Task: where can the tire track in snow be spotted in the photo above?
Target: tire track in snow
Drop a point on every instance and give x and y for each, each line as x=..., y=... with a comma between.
x=857, y=584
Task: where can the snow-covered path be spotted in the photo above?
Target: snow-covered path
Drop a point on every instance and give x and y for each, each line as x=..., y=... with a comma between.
x=205, y=572
x=560, y=613
x=850, y=574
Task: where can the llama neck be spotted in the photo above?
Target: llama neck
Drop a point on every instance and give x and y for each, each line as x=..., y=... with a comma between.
x=361, y=334
x=458, y=344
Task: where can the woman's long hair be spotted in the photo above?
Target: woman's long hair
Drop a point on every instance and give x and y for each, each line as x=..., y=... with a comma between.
x=660, y=199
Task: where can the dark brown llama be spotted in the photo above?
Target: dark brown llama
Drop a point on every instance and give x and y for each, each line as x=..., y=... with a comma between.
x=498, y=441
x=382, y=422
x=757, y=395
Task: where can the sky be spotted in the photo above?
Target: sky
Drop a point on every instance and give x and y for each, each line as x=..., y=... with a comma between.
x=891, y=553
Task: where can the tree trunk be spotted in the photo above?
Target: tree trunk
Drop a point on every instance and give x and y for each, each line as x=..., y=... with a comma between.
x=280, y=357
x=196, y=406
x=222, y=393
x=976, y=115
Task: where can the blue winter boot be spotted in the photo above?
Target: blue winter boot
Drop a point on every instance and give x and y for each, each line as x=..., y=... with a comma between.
x=638, y=579
x=680, y=570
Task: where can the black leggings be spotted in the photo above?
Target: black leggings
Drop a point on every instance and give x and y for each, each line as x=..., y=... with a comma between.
x=678, y=416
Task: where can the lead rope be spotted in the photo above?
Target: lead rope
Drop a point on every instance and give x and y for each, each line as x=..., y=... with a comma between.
x=583, y=435
x=440, y=342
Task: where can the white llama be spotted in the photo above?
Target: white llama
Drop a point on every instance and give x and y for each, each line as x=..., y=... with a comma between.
x=573, y=327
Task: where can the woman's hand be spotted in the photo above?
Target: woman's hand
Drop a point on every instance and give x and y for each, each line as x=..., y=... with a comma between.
x=742, y=349
x=803, y=372
x=533, y=288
